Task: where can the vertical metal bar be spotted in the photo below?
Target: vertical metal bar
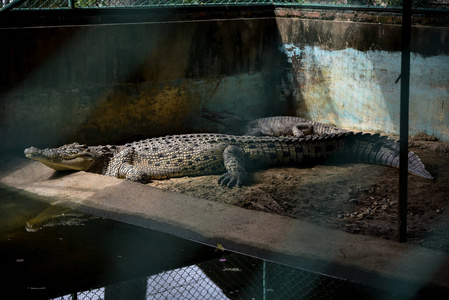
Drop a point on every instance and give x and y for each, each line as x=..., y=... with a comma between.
x=264, y=281
x=71, y=4
x=404, y=121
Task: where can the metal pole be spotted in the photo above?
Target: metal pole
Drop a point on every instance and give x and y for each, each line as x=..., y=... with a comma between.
x=404, y=119
x=264, y=281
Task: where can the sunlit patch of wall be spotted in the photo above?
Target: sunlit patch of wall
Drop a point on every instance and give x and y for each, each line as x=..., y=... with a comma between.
x=346, y=74
x=171, y=107
x=341, y=87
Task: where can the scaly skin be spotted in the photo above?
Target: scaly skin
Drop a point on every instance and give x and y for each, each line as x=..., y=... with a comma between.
x=286, y=125
x=269, y=126
x=203, y=154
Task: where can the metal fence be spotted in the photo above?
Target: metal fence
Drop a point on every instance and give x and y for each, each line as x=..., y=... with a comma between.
x=381, y=4
x=234, y=277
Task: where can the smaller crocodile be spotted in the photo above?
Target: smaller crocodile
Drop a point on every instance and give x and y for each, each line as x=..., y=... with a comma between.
x=287, y=125
x=230, y=155
x=269, y=126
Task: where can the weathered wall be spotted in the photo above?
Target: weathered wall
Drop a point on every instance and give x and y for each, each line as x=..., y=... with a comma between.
x=345, y=73
x=100, y=83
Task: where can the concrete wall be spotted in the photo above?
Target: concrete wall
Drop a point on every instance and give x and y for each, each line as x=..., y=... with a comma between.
x=99, y=83
x=345, y=73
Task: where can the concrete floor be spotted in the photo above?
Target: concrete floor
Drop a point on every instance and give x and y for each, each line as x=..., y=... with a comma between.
x=379, y=263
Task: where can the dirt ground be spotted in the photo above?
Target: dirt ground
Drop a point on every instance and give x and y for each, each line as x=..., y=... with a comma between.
x=356, y=198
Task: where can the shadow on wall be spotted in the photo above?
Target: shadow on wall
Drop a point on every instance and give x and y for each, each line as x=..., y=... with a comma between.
x=184, y=67
x=307, y=81
x=102, y=83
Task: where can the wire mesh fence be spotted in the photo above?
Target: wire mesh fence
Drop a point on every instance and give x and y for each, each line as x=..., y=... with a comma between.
x=383, y=4
x=234, y=277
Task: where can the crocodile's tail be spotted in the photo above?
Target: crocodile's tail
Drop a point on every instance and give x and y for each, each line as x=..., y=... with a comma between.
x=376, y=149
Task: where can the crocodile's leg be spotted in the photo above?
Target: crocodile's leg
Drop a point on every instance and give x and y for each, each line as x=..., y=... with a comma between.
x=298, y=130
x=254, y=132
x=121, y=166
x=234, y=161
x=302, y=129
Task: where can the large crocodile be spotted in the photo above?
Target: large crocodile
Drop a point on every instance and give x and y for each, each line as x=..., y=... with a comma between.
x=203, y=154
x=270, y=126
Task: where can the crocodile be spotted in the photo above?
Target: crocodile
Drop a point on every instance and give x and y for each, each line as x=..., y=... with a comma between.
x=230, y=155
x=287, y=125
x=269, y=126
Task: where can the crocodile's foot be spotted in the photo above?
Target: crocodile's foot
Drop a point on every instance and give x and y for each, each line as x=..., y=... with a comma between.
x=302, y=129
x=136, y=176
x=233, y=179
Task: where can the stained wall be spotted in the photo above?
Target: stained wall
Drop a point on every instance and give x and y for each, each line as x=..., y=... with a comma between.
x=100, y=83
x=97, y=80
x=346, y=73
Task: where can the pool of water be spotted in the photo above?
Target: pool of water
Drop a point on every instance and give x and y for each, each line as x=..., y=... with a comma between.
x=67, y=256
x=49, y=252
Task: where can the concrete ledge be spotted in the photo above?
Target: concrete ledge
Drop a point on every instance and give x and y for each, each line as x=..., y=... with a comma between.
x=380, y=263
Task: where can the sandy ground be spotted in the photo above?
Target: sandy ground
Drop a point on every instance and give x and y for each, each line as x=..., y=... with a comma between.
x=356, y=198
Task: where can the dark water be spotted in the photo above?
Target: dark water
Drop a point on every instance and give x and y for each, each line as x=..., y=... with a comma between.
x=61, y=258
x=82, y=257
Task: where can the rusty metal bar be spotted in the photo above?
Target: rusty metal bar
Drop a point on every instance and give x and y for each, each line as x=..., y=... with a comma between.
x=404, y=120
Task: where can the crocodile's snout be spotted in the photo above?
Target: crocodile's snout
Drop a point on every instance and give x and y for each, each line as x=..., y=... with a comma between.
x=32, y=151
x=63, y=158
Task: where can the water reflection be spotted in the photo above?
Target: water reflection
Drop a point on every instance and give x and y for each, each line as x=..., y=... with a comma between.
x=56, y=215
x=234, y=276
x=183, y=283
x=62, y=258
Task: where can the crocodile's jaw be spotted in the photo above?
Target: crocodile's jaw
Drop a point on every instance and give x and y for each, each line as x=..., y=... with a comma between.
x=60, y=162
x=76, y=164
